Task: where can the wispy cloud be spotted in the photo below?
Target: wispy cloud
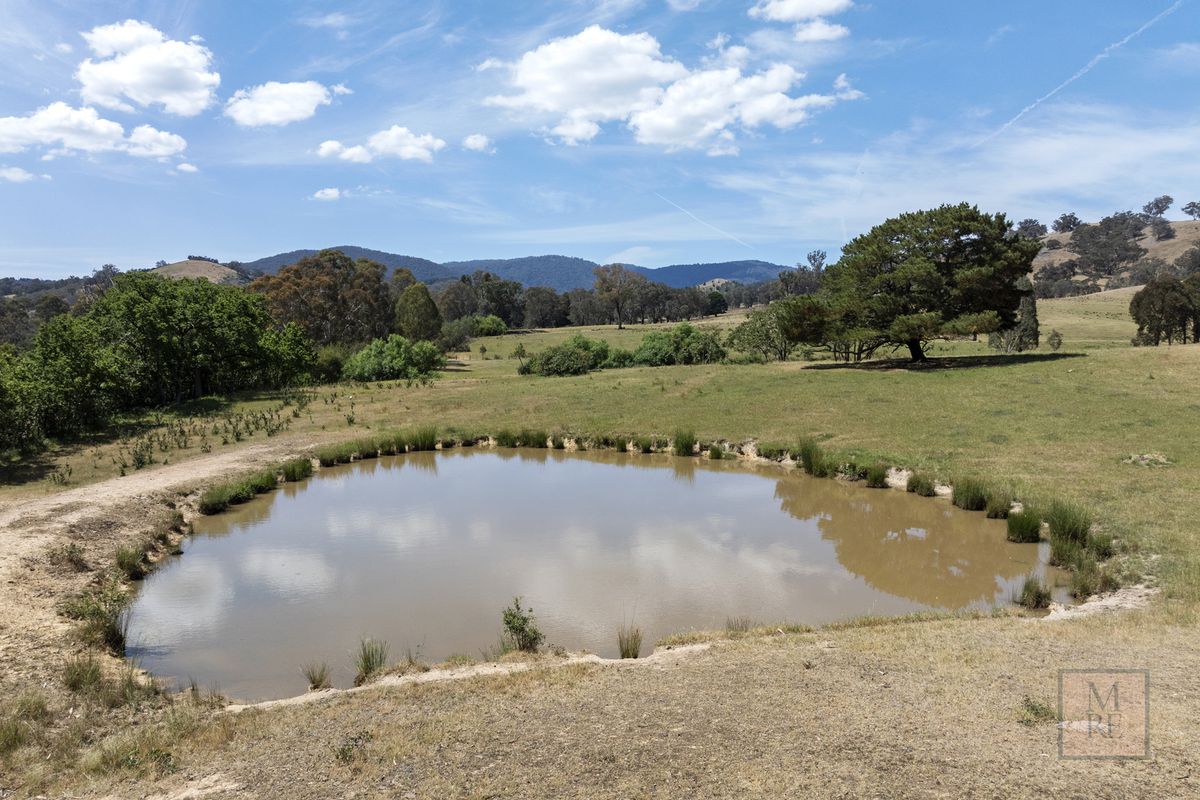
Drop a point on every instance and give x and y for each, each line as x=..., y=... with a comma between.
x=1103, y=54
x=726, y=234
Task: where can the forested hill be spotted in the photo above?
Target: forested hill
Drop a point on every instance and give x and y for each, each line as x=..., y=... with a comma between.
x=561, y=273
x=423, y=269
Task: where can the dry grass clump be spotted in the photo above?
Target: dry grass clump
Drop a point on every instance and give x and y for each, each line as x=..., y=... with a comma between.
x=317, y=674
x=370, y=660
x=629, y=641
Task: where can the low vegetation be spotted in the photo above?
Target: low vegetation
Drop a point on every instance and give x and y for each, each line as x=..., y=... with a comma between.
x=369, y=660
x=629, y=641
x=520, y=628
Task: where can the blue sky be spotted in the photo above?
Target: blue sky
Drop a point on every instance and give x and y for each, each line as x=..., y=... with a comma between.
x=645, y=131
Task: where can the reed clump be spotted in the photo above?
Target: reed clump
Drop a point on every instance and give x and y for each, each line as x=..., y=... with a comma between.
x=877, y=476
x=921, y=484
x=1024, y=526
x=1069, y=522
x=970, y=494
x=716, y=452
x=629, y=641
x=507, y=438
x=425, y=438
x=1034, y=594
x=297, y=469
x=369, y=660
x=684, y=443
x=317, y=673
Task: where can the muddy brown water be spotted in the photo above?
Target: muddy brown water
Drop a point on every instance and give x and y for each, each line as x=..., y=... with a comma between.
x=424, y=550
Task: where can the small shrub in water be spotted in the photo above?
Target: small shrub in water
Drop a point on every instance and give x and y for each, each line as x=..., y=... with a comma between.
x=131, y=562
x=423, y=439
x=684, y=443
x=629, y=641
x=317, y=675
x=533, y=438
x=1069, y=522
x=1025, y=527
x=622, y=445
x=297, y=469
x=970, y=495
x=370, y=659
x=999, y=505
x=921, y=484
x=715, y=452
x=1034, y=594
x=877, y=476
x=521, y=627
x=810, y=454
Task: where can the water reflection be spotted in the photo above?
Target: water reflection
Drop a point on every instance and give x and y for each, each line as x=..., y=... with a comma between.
x=424, y=550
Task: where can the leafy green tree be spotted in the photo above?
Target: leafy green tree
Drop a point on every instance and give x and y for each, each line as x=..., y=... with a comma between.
x=584, y=307
x=1055, y=340
x=717, y=304
x=1163, y=309
x=332, y=298
x=491, y=325
x=458, y=300
x=1188, y=263
x=499, y=297
x=1158, y=206
x=1192, y=209
x=1067, y=223
x=683, y=344
x=617, y=286
x=544, y=308
x=763, y=333
x=1031, y=229
x=417, y=316
x=1024, y=335
x=950, y=271
x=394, y=358
x=1104, y=248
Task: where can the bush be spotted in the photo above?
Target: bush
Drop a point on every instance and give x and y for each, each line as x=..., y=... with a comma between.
x=520, y=627
x=683, y=344
x=130, y=561
x=622, y=444
x=297, y=469
x=715, y=452
x=533, y=438
x=1069, y=522
x=491, y=325
x=507, y=439
x=456, y=335
x=877, y=476
x=425, y=438
x=810, y=453
x=970, y=495
x=618, y=358
x=330, y=361
x=999, y=504
x=558, y=442
x=685, y=443
x=394, y=358
x=317, y=674
x=643, y=444
x=629, y=641
x=101, y=613
x=370, y=660
x=576, y=356
x=921, y=484
x=1034, y=594
x=1024, y=527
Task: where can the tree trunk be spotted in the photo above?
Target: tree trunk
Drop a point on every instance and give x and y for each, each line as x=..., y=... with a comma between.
x=914, y=349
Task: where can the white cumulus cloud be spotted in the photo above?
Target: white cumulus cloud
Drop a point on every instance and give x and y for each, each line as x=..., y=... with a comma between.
x=595, y=76
x=395, y=142
x=599, y=76
x=61, y=129
x=15, y=175
x=188, y=168
x=138, y=64
x=798, y=10
x=275, y=103
x=478, y=143
x=819, y=30
x=327, y=194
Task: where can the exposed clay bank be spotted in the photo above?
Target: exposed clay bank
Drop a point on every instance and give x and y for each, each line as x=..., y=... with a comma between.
x=423, y=550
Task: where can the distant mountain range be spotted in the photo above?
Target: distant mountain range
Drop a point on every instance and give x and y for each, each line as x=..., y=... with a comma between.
x=561, y=273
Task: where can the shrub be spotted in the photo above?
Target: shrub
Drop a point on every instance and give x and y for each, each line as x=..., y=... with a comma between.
x=456, y=335
x=576, y=356
x=999, y=504
x=1025, y=527
x=970, y=495
x=533, y=438
x=131, y=562
x=810, y=453
x=684, y=443
x=370, y=659
x=683, y=344
x=825, y=466
x=297, y=469
x=921, y=484
x=521, y=628
x=425, y=438
x=507, y=439
x=558, y=442
x=643, y=444
x=1034, y=712
x=877, y=476
x=317, y=674
x=101, y=613
x=715, y=452
x=618, y=358
x=330, y=361
x=1034, y=594
x=629, y=641
x=394, y=358
x=1069, y=522
x=622, y=444
x=491, y=325
x=82, y=674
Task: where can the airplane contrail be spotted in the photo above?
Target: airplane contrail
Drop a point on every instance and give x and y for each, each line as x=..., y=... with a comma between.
x=1103, y=54
x=702, y=222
